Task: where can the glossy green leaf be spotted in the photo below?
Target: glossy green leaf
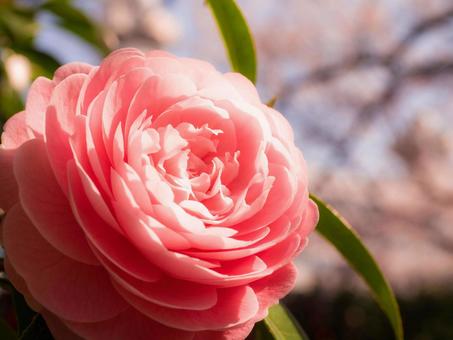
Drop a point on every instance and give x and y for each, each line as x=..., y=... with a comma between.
x=260, y=332
x=10, y=101
x=17, y=26
x=6, y=333
x=24, y=314
x=30, y=324
x=236, y=36
x=278, y=325
x=43, y=64
x=340, y=234
x=37, y=329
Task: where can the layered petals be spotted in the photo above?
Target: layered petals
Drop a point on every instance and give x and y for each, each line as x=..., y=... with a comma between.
x=151, y=197
x=52, y=277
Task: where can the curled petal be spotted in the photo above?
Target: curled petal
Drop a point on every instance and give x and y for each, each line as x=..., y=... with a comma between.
x=234, y=306
x=8, y=193
x=69, y=69
x=46, y=205
x=37, y=101
x=151, y=197
x=51, y=277
x=130, y=324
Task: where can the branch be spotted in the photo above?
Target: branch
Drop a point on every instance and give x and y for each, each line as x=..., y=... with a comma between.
x=399, y=76
x=421, y=28
x=363, y=58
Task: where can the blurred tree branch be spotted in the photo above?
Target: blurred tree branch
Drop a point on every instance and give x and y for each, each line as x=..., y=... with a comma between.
x=19, y=27
x=399, y=76
x=391, y=60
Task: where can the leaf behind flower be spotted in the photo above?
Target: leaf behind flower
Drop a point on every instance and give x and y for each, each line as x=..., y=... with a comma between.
x=278, y=325
x=74, y=20
x=339, y=233
x=236, y=35
x=37, y=329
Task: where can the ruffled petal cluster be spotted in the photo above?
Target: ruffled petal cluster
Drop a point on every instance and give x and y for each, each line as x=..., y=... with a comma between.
x=151, y=197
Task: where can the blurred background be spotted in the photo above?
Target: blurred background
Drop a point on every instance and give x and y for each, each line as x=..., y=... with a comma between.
x=368, y=89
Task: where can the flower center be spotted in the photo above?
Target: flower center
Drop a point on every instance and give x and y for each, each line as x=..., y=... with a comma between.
x=187, y=158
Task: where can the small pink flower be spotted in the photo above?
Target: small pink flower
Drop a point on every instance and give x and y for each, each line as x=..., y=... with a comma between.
x=151, y=197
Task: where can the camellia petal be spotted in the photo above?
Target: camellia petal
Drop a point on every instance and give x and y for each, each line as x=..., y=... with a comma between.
x=37, y=103
x=130, y=324
x=46, y=204
x=51, y=277
x=151, y=197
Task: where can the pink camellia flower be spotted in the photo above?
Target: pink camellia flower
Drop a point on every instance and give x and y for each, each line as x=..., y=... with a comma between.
x=151, y=197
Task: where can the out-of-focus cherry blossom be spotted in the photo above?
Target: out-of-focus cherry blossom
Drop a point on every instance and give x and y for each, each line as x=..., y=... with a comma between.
x=367, y=87
x=140, y=23
x=18, y=70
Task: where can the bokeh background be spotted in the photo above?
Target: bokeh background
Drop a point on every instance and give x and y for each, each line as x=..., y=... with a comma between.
x=368, y=89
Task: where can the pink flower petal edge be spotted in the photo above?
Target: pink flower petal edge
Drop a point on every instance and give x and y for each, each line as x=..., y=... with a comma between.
x=151, y=197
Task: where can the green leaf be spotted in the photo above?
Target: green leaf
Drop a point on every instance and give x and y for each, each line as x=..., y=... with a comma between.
x=340, y=234
x=10, y=101
x=37, y=329
x=24, y=314
x=43, y=64
x=278, y=325
x=236, y=36
x=260, y=332
x=30, y=324
x=17, y=26
x=74, y=20
x=6, y=333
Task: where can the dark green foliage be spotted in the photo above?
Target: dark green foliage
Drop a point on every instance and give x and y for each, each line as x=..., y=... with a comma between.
x=37, y=329
x=18, y=30
x=346, y=316
x=339, y=233
x=236, y=35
